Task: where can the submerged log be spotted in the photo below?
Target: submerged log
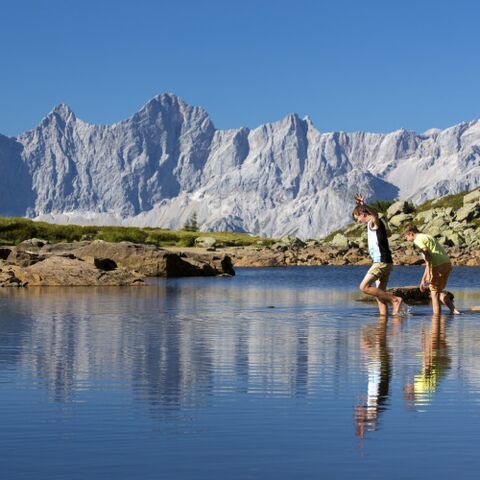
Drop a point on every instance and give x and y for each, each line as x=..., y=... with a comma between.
x=411, y=295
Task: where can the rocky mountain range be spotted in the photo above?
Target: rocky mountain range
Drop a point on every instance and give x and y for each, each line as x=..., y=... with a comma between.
x=168, y=161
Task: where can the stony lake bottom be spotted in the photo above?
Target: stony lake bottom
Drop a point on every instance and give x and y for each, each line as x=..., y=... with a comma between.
x=274, y=373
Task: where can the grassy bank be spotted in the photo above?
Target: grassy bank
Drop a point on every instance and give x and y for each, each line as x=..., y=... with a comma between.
x=16, y=230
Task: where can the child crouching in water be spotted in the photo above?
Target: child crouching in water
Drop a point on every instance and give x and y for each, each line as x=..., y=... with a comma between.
x=381, y=255
x=437, y=268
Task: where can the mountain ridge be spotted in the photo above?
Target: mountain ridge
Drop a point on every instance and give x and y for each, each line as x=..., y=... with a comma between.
x=167, y=160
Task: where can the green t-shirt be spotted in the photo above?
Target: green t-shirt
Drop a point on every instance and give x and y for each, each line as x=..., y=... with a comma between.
x=426, y=242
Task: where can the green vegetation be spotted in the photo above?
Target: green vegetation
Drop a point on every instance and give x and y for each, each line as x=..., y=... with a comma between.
x=16, y=230
x=381, y=205
x=191, y=225
x=455, y=201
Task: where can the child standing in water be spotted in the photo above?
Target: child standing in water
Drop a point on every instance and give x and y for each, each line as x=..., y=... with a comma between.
x=379, y=250
x=437, y=268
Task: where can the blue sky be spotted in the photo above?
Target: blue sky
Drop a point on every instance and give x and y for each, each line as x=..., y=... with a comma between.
x=349, y=65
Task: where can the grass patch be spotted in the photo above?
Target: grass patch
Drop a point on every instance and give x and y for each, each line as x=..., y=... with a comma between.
x=455, y=201
x=14, y=230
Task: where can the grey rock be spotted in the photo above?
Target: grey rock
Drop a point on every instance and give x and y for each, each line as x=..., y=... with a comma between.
x=472, y=197
x=400, y=219
x=205, y=242
x=32, y=244
x=427, y=215
x=468, y=211
x=340, y=240
x=434, y=230
x=397, y=208
x=292, y=242
x=453, y=239
x=24, y=258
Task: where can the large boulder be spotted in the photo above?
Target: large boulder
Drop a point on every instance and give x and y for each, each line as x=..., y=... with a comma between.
x=153, y=261
x=8, y=278
x=399, y=219
x=468, y=212
x=292, y=242
x=254, y=258
x=434, y=230
x=32, y=245
x=340, y=240
x=472, y=197
x=24, y=258
x=205, y=242
x=63, y=270
x=397, y=207
x=425, y=216
x=453, y=238
x=66, y=271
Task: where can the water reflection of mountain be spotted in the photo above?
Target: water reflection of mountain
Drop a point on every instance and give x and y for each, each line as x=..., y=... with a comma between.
x=173, y=347
x=177, y=345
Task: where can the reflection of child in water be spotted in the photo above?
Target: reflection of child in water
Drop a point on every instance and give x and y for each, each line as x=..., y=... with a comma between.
x=374, y=344
x=436, y=362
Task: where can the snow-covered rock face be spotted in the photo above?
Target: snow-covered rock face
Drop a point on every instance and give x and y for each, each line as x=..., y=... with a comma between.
x=168, y=161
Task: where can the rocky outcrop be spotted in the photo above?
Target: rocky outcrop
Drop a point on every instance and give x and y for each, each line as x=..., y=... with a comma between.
x=328, y=254
x=152, y=261
x=36, y=262
x=58, y=270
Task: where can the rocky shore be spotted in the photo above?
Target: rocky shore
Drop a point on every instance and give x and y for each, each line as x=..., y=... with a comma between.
x=36, y=262
x=454, y=220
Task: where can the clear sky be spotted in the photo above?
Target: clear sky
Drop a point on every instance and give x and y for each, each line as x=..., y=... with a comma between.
x=350, y=65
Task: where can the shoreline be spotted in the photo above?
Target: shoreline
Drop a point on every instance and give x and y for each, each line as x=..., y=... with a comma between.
x=324, y=255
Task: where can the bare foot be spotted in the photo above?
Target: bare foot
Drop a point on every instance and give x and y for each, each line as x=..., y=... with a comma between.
x=456, y=312
x=396, y=304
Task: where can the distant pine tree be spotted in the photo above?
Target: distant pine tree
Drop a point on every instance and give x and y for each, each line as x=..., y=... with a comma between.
x=193, y=222
x=191, y=225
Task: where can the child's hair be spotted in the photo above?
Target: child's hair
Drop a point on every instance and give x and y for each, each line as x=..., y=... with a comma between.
x=410, y=228
x=365, y=209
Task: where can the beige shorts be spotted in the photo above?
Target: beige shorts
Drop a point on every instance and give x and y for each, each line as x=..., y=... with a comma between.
x=381, y=271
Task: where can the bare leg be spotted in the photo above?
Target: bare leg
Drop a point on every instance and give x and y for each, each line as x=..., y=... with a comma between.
x=436, y=306
x=380, y=295
x=446, y=300
x=382, y=306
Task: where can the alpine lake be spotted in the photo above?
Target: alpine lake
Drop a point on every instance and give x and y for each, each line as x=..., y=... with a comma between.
x=272, y=374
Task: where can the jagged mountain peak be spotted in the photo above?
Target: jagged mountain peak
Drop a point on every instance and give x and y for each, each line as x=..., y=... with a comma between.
x=62, y=110
x=167, y=161
x=169, y=105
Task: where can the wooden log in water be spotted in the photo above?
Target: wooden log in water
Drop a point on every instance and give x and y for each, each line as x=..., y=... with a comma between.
x=412, y=295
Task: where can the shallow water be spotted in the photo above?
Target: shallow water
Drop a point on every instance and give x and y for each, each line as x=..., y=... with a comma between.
x=275, y=373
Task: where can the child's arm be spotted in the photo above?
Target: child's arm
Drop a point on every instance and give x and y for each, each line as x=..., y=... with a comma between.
x=360, y=200
x=375, y=218
x=426, y=273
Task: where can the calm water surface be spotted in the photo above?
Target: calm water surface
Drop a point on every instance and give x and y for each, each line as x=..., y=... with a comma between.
x=272, y=374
